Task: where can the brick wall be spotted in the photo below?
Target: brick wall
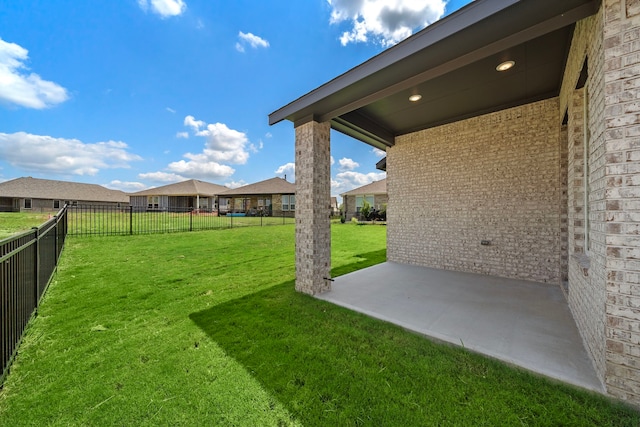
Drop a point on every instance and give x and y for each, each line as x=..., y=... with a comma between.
x=621, y=182
x=495, y=177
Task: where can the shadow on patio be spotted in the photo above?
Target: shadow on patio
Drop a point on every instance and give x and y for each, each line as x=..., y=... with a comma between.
x=522, y=323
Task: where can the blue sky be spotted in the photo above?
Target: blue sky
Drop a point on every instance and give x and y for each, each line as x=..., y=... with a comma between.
x=132, y=94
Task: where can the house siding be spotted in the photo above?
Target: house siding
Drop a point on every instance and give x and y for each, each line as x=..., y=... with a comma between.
x=495, y=177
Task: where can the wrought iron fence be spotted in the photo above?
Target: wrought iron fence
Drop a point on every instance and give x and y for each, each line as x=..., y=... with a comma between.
x=86, y=220
x=27, y=263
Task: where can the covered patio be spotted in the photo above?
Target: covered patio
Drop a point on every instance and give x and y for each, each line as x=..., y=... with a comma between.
x=523, y=323
x=511, y=132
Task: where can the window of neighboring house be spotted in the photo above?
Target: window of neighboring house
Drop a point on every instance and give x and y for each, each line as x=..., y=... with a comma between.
x=56, y=204
x=360, y=201
x=288, y=202
x=587, y=187
x=27, y=203
x=153, y=202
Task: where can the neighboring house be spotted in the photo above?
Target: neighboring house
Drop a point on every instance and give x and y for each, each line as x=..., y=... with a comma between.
x=181, y=196
x=272, y=197
x=335, y=209
x=42, y=195
x=374, y=193
x=541, y=159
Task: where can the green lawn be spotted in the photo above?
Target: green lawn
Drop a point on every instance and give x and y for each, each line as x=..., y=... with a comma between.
x=15, y=222
x=205, y=328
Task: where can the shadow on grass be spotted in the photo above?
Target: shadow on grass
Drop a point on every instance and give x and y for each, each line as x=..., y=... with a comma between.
x=331, y=366
x=366, y=260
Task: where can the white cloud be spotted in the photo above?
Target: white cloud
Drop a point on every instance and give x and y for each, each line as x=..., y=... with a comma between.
x=222, y=146
x=200, y=169
x=161, y=177
x=288, y=169
x=128, y=186
x=26, y=90
x=235, y=184
x=193, y=123
x=378, y=152
x=40, y=153
x=332, y=160
x=248, y=39
x=171, y=110
x=349, y=180
x=347, y=164
x=164, y=8
x=384, y=21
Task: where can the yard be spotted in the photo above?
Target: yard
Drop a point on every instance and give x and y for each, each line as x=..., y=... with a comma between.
x=205, y=328
x=15, y=222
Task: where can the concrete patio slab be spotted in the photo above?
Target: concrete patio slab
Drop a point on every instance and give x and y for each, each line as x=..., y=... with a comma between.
x=523, y=323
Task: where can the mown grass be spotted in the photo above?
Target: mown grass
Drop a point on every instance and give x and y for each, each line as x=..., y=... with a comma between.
x=14, y=222
x=205, y=328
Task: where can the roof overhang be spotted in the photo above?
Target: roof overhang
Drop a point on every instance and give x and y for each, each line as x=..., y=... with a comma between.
x=452, y=64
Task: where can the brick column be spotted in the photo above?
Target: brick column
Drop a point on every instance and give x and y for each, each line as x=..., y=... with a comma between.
x=622, y=168
x=313, y=198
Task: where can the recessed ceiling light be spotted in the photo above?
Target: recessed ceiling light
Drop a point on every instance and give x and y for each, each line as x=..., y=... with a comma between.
x=414, y=98
x=505, y=65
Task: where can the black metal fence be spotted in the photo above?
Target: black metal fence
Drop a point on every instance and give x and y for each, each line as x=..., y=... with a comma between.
x=87, y=220
x=27, y=263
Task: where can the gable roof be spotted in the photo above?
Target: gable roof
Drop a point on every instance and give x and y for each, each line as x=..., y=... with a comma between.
x=376, y=187
x=35, y=188
x=268, y=186
x=452, y=64
x=191, y=187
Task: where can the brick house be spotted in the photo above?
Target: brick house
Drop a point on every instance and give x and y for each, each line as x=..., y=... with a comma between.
x=374, y=193
x=515, y=122
x=182, y=196
x=28, y=194
x=271, y=197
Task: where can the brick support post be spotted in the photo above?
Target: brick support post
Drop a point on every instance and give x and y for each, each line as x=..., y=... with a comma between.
x=313, y=198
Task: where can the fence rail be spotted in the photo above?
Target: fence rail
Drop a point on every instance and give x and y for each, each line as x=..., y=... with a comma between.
x=27, y=263
x=87, y=220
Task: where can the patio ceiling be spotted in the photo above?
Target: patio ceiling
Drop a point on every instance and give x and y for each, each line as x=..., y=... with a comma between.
x=452, y=64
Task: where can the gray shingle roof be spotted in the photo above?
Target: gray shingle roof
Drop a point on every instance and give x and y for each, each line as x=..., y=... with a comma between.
x=269, y=186
x=35, y=188
x=190, y=187
x=376, y=187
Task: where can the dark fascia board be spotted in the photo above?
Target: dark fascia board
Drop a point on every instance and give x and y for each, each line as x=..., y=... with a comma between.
x=471, y=14
x=382, y=164
x=360, y=124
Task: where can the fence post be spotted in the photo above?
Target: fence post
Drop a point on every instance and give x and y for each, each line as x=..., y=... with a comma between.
x=55, y=239
x=191, y=219
x=36, y=266
x=130, y=219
